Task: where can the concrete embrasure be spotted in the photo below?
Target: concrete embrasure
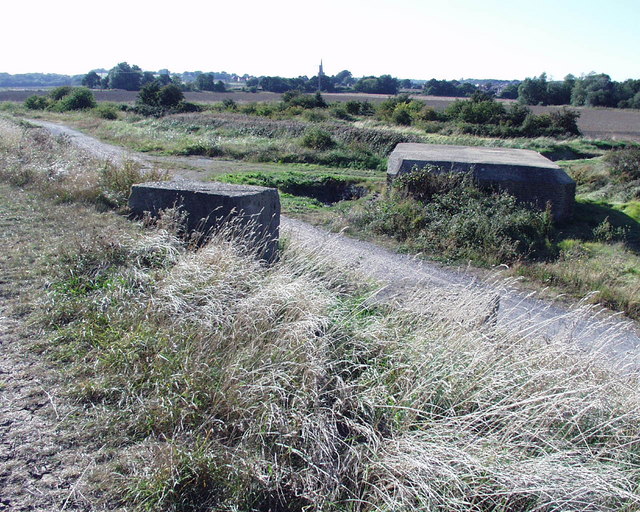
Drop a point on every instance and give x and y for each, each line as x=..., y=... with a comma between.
x=209, y=205
x=527, y=175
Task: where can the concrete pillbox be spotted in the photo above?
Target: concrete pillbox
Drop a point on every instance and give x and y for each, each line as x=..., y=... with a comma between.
x=525, y=174
x=209, y=205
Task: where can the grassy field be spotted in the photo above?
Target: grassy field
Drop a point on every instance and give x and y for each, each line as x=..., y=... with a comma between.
x=305, y=150
x=217, y=383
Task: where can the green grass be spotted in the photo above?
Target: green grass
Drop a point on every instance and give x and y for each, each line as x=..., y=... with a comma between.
x=607, y=209
x=304, y=191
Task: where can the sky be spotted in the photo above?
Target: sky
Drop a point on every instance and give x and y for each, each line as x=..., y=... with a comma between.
x=418, y=39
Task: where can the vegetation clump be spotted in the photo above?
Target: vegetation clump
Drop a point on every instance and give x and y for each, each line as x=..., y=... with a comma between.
x=449, y=217
x=63, y=99
x=624, y=163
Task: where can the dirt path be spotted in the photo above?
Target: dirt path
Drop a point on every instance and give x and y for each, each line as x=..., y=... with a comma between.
x=41, y=467
x=44, y=460
x=403, y=275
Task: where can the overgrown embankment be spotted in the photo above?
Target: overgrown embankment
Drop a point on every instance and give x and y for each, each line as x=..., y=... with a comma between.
x=216, y=382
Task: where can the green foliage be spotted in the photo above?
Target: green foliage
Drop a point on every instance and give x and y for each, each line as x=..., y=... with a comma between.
x=315, y=138
x=229, y=104
x=124, y=76
x=63, y=99
x=107, y=111
x=480, y=109
x=384, y=84
x=60, y=92
x=483, y=115
x=148, y=95
x=323, y=187
x=157, y=101
x=594, y=90
x=80, y=98
x=36, y=102
x=296, y=98
x=448, y=88
x=91, y=80
x=207, y=82
x=170, y=96
x=449, y=217
x=359, y=108
x=401, y=110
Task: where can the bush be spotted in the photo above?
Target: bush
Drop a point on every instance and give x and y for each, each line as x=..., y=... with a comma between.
x=624, y=163
x=60, y=92
x=106, y=111
x=317, y=139
x=80, y=98
x=36, y=102
x=449, y=217
x=170, y=96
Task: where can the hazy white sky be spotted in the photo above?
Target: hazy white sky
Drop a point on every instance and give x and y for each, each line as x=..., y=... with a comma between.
x=418, y=39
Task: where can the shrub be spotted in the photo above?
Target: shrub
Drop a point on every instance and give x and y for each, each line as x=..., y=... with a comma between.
x=624, y=163
x=170, y=96
x=229, y=104
x=60, y=92
x=452, y=218
x=306, y=101
x=36, y=102
x=402, y=115
x=80, y=98
x=106, y=111
x=317, y=139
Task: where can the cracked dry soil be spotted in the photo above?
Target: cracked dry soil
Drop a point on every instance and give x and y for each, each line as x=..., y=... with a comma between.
x=46, y=454
x=41, y=466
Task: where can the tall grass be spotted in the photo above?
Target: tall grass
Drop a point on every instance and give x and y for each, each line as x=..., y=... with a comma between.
x=245, y=387
x=219, y=383
x=32, y=157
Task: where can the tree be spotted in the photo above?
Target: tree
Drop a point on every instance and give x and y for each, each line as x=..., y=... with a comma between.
x=510, y=92
x=533, y=91
x=205, y=82
x=91, y=80
x=148, y=95
x=388, y=85
x=170, y=96
x=126, y=77
x=167, y=97
x=594, y=90
x=384, y=84
x=147, y=77
x=344, y=78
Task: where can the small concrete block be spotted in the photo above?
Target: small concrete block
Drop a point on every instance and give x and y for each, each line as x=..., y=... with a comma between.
x=525, y=174
x=209, y=205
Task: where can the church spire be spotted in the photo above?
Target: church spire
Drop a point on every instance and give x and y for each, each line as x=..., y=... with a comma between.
x=320, y=75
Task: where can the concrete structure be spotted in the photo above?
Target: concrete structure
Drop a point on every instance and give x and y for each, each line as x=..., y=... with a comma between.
x=209, y=205
x=525, y=174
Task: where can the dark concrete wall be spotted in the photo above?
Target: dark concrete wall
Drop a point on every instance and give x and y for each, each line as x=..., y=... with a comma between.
x=210, y=205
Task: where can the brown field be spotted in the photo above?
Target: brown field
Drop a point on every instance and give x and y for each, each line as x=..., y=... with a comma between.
x=597, y=123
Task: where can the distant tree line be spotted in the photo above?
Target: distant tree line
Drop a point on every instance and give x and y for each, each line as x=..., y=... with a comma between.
x=592, y=90
x=38, y=80
x=448, y=88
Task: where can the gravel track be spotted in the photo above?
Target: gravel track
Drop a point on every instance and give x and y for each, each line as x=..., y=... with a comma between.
x=402, y=275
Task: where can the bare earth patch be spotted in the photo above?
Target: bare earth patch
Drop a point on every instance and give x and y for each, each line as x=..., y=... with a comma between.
x=44, y=460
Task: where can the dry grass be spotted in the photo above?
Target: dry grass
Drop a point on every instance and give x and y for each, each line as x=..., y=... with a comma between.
x=224, y=384
x=32, y=157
